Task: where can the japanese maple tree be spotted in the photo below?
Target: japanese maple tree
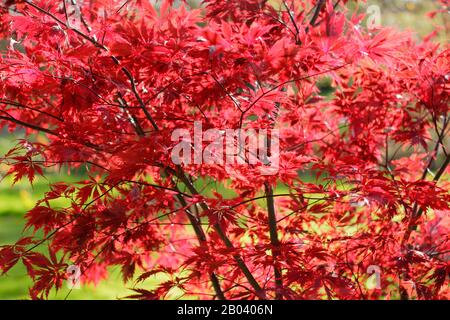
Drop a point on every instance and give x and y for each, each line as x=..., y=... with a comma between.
x=362, y=184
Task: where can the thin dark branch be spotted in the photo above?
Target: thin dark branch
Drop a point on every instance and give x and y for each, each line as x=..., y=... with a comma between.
x=29, y=125
x=272, y=220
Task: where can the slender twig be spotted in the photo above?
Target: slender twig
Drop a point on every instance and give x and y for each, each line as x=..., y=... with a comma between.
x=16, y=104
x=297, y=30
x=29, y=125
x=65, y=12
x=316, y=14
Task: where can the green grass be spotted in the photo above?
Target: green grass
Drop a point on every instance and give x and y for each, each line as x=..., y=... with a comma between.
x=15, y=201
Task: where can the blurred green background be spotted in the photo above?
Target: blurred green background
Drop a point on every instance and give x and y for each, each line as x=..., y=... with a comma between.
x=17, y=200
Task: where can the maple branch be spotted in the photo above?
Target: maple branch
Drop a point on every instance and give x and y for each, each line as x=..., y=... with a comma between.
x=103, y=47
x=241, y=119
x=272, y=218
x=122, y=6
x=139, y=130
x=274, y=241
x=116, y=236
x=415, y=215
x=202, y=239
x=297, y=30
x=193, y=221
x=133, y=120
x=49, y=163
x=443, y=168
x=65, y=11
x=299, y=145
x=157, y=186
x=233, y=99
x=138, y=97
x=16, y=104
x=260, y=292
x=82, y=19
x=318, y=8
x=74, y=218
x=29, y=125
x=273, y=196
x=284, y=24
x=301, y=208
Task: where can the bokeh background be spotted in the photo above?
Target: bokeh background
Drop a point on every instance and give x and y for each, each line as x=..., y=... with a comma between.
x=16, y=200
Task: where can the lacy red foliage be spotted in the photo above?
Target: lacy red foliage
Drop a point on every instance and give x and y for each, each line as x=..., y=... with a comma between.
x=362, y=186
